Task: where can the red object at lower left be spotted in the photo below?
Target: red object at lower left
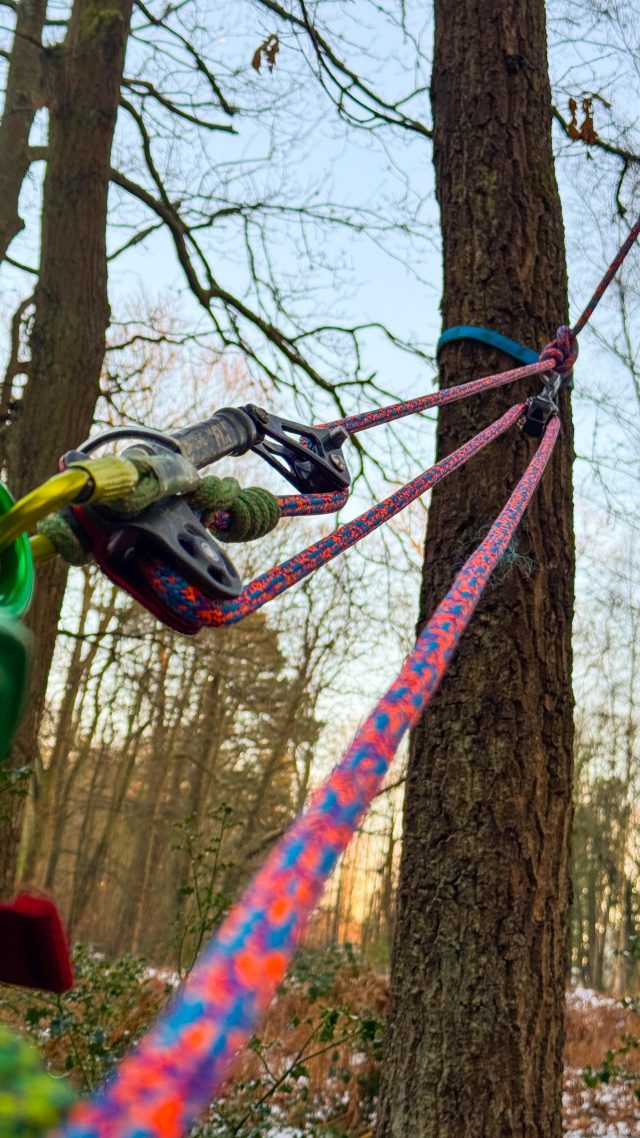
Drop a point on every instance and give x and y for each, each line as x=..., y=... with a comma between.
x=34, y=952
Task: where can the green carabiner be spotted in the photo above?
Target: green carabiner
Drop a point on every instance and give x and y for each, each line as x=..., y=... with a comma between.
x=16, y=589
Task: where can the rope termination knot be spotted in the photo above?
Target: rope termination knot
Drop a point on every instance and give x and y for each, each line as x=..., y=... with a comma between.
x=562, y=352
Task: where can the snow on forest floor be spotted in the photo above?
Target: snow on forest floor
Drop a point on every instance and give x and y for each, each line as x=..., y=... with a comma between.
x=607, y=1111
x=596, y=1026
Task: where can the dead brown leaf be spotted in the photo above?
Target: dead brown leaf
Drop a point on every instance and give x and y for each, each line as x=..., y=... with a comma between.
x=268, y=51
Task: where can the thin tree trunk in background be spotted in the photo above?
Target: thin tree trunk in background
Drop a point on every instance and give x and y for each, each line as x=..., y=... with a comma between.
x=387, y=884
x=25, y=82
x=70, y=775
x=475, y=1032
x=36, y=836
x=628, y=940
x=72, y=312
x=592, y=900
x=135, y=909
x=601, y=943
x=92, y=851
x=149, y=850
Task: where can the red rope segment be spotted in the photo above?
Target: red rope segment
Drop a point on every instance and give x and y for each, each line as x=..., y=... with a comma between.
x=561, y=354
x=297, y=505
x=193, y=606
x=627, y=245
x=171, y=1077
x=367, y=419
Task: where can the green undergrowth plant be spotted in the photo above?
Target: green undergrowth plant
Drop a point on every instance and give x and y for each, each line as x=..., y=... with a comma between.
x=204, y=901
x=620, y=1063
x=32, y=1101
x=314, y=1067
x=616, y=1066
x=85, y=1032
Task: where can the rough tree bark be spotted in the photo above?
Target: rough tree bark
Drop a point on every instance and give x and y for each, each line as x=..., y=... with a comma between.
x=476, y=1022
x=71, y=308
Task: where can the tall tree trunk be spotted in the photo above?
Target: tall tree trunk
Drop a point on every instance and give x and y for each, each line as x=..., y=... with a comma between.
x=72, y=310
x=480, y=956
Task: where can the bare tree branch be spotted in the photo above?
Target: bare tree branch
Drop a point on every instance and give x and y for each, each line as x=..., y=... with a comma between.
x=145, y=89
x=206, y=295
x=370, y=109
x=24, y=86
x=137, y=239
x=200, y=63
x=15, y=365
x=627, y=157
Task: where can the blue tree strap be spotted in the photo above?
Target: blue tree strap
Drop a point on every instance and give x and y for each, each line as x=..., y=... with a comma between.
x=495, y=340
x=488, y=336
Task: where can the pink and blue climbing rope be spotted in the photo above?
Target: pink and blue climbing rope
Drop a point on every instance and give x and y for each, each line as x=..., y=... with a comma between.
x=300, y=505
x=558, y=355
x=367, y=419
x=185, y=600
x=625, y=248
x=161, y=1089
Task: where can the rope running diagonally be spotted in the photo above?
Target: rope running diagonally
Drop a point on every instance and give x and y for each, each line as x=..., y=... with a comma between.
x=352, y=424
x=625, y=248
x=202, y=611
x=160, y=1089
x=560, y=355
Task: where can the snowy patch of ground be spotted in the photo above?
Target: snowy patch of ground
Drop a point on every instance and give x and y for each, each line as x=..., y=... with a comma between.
x=164, y=975
x=584, y=998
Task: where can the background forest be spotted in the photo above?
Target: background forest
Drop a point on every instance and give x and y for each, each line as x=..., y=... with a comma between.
x=272, y=234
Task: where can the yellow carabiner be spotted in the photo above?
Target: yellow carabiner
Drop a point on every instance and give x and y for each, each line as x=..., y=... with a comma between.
x=96, y=480
x=45, y=499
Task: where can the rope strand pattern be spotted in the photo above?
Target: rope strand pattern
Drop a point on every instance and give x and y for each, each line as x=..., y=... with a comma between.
x=626, y=246
x=363, y=422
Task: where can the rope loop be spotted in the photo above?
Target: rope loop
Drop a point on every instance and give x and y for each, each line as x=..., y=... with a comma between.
x=562, y=352
x=235, y=514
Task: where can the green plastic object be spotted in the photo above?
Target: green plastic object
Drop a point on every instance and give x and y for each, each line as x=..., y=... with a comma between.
x=16, y=589
x=16, y=569
x=32, y=1102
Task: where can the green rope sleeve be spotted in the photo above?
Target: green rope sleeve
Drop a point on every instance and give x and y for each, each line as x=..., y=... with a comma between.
x=234, y=514
x=159, y=476
x=214, y=494
x=143, y=495
x=64, y=539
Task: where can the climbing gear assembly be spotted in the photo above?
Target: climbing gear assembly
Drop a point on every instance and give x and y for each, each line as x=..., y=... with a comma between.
x=148, y=518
